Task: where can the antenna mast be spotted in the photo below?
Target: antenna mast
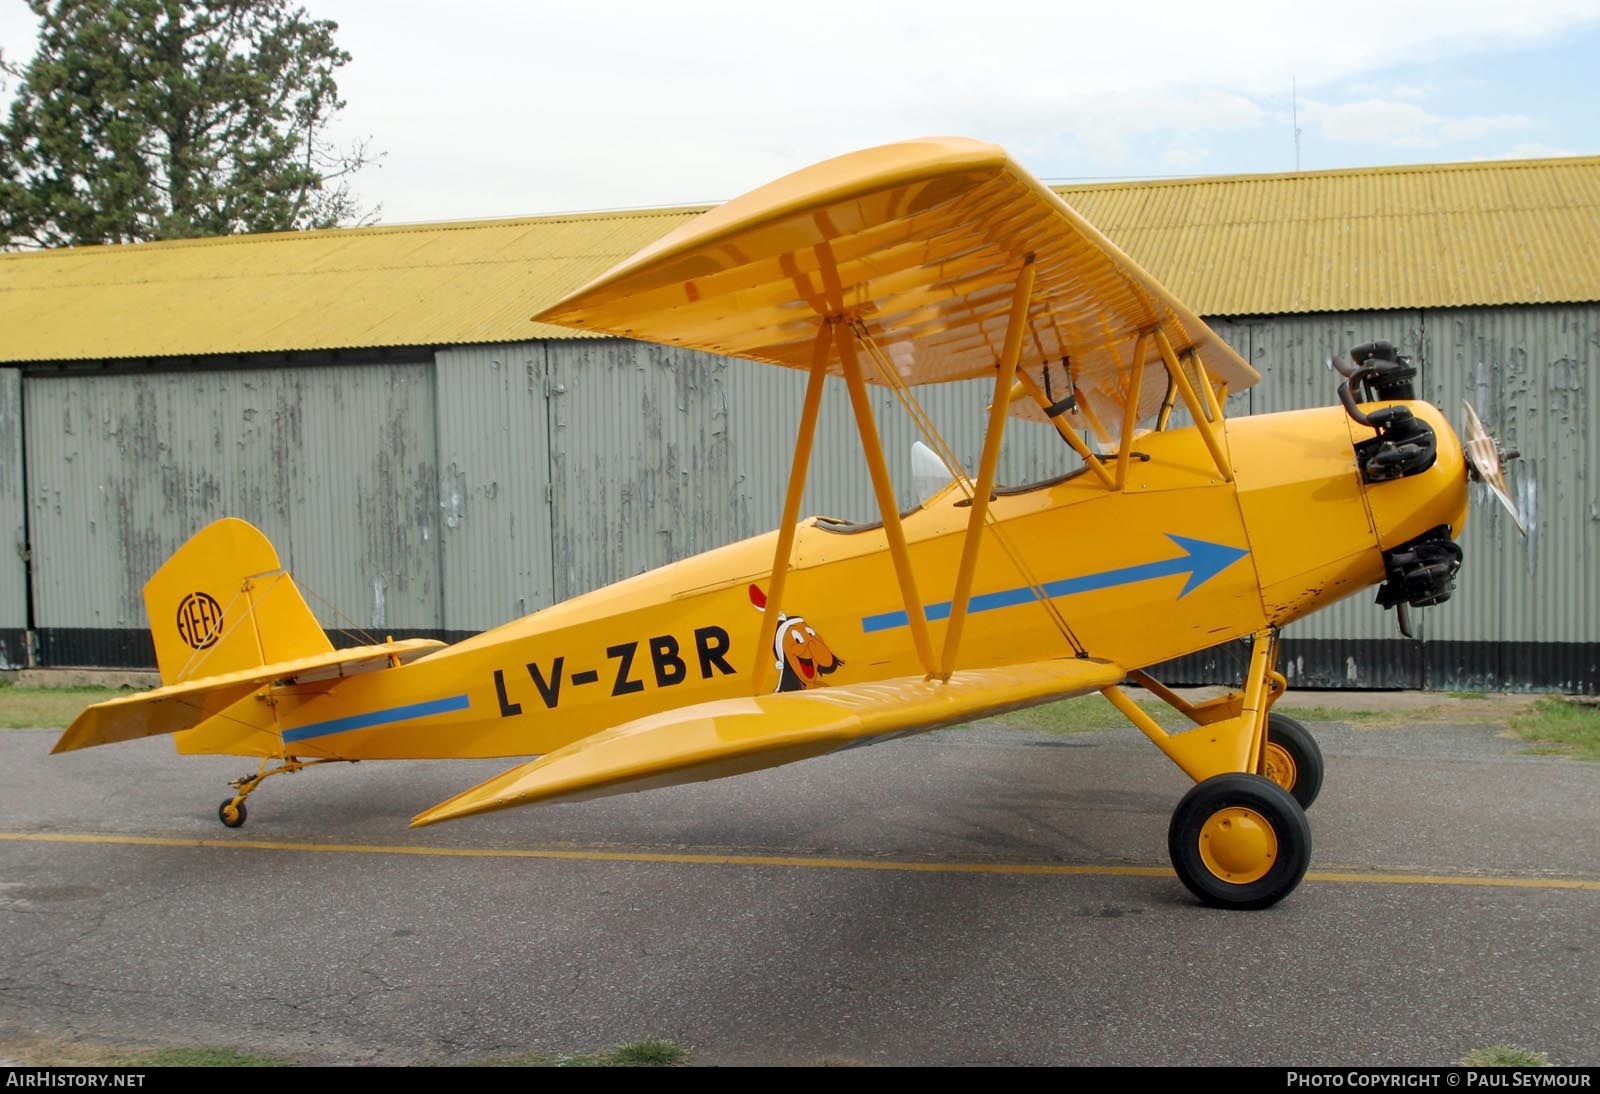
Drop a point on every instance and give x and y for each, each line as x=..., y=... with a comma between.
x=1294, y=119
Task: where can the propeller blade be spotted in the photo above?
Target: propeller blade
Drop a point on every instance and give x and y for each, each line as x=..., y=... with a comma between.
x=1483, y=457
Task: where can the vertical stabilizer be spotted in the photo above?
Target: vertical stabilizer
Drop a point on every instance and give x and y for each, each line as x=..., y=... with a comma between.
x=223, y=602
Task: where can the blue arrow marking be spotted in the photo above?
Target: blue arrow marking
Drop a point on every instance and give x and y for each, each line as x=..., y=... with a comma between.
x=377, y=718
x=1201, y=560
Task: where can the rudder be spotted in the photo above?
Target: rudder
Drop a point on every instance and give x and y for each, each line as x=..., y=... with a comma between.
x=223, y=602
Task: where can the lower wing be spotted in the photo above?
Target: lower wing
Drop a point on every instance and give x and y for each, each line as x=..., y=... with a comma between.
x=732, y=736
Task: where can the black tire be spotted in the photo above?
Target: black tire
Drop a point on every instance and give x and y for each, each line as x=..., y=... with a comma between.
x=1303, y=754
x=231, y=814
x=1274, y=820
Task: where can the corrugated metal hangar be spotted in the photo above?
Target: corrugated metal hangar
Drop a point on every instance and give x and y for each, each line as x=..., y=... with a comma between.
x=429, y=462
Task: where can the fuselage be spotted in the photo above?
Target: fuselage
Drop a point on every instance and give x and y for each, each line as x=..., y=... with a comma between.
x=1180, y=560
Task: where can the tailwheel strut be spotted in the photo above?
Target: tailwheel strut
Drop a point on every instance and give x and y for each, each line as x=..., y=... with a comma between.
x=232, y=811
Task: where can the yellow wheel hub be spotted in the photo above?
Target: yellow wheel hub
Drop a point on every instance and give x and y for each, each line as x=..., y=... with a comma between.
x=1279, y=766
x=1238, y=845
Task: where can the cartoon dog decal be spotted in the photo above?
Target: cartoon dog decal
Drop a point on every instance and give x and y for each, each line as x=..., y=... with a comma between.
x=802, y=655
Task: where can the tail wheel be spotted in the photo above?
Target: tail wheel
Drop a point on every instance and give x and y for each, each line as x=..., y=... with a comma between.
x=1292, y=759
x=232, y=812
x=1239, y=841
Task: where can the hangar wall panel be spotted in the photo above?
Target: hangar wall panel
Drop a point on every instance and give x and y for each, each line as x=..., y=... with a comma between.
x=364, y=511
x=494, y=484
x=640, y=461
x=336, y=464
x=1529, y=373
x=13, y=529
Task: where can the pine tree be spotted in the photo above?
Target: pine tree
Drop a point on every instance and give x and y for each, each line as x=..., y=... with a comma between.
x=164, y=119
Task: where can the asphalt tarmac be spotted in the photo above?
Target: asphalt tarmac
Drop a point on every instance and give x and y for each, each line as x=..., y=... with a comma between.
x=984, y=895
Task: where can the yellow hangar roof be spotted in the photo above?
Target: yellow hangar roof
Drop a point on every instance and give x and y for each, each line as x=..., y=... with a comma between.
x=1503, y=232
x=343, y=288
x=1432, y=236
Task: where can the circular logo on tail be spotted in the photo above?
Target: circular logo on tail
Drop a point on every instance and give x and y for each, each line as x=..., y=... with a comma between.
x=200, y=620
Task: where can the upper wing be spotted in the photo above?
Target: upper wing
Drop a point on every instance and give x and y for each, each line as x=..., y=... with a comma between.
x=187, y=704
x=732, y=736
x=922, y=242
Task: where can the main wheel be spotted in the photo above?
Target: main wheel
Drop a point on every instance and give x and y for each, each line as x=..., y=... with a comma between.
x=1292, y=759
x=232, y=812
x=1239, y=841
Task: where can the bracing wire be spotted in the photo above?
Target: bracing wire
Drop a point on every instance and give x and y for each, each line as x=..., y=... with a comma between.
x=936, y=440
x=350, y=627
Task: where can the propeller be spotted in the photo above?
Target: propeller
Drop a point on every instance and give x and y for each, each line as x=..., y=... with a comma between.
x=1429, y=568
x=1486, y=462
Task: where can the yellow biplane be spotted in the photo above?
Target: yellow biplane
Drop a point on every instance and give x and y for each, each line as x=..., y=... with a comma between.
x=910, y=264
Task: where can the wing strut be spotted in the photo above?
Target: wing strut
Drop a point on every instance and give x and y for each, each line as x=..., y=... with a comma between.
x=988, y=464
x=798, y=468
x=872, y=449
x=1130, y=413
x=1202, y=413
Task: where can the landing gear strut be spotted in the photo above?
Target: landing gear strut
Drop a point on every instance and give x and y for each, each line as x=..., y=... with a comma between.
x=1239, y=838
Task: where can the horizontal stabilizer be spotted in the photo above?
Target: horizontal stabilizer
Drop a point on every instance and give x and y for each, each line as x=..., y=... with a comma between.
x=185, y=705
x=732, y=736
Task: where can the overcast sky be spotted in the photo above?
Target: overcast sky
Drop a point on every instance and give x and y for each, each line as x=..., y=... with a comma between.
x=497, y=108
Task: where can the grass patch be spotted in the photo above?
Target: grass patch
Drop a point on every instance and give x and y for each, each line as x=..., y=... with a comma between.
x=1087, y=714
x=1561, y=728
x=652, y=1052
x=1458, y=708
x=1504, y=1056
x=1348, y=717
x=48, y=708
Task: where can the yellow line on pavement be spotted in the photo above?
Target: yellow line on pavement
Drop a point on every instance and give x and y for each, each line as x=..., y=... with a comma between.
x=804, y=862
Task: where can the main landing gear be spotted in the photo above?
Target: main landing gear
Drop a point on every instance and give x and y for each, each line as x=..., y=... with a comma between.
x=1239, y=841
x=1239, y=838
x=232, y=811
